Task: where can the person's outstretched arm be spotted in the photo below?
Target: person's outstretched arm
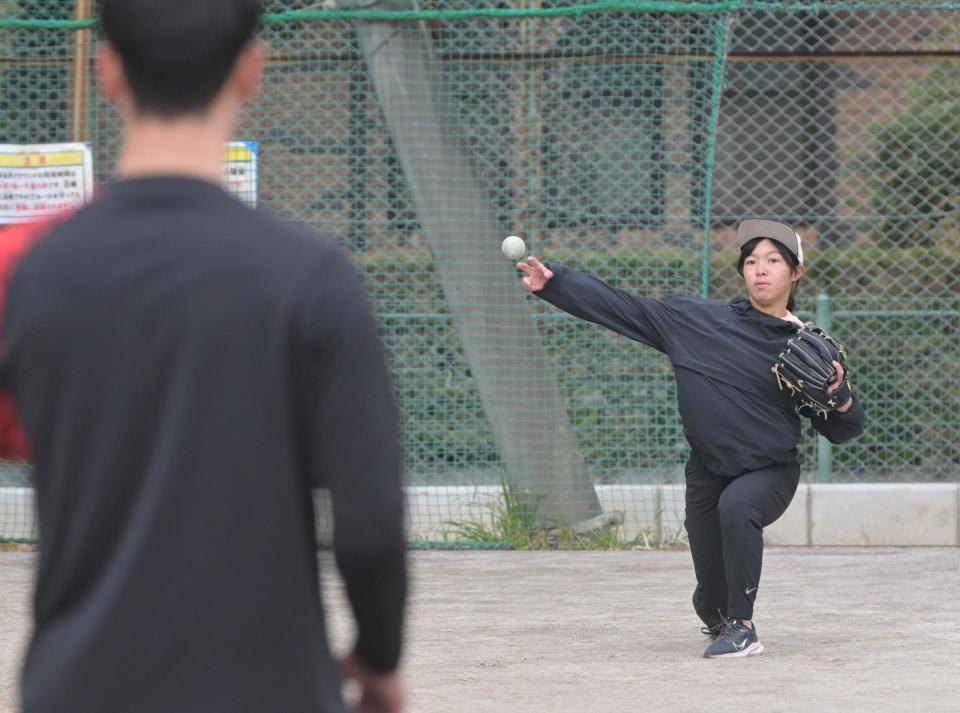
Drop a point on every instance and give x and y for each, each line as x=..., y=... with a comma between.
x=587, y=297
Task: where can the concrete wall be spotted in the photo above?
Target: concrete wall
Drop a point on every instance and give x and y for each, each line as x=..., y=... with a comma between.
x=859, y=515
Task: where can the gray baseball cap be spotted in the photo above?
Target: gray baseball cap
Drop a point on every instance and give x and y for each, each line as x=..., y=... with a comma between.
x=782, y=233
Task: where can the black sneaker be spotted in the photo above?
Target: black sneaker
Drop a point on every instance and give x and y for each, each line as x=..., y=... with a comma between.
x=735, y=640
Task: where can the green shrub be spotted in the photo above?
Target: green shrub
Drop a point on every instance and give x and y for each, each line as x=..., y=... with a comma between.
x=912, y=172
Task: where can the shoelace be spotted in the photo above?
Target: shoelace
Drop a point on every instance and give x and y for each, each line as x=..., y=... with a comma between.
x=712, y=630
x=731, y=627
x=715, y=630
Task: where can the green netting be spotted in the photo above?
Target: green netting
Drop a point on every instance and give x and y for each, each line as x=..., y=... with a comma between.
x=624, y=138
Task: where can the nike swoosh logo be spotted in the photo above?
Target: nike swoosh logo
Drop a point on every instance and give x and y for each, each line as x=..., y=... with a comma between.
x=751, y=590
x=740, y=647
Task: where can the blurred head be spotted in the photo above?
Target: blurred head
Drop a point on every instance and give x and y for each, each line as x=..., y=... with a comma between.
x=770, y=272
x=171, y=58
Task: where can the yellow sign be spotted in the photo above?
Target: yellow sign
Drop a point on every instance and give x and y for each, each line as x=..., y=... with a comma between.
x=240, y=170
x=35, y=159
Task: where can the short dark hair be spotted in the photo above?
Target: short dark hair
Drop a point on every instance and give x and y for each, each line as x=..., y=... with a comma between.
x=787, y=253
x=177, y=54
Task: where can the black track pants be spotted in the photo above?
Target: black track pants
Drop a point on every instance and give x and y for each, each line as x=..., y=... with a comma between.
x=725, y=521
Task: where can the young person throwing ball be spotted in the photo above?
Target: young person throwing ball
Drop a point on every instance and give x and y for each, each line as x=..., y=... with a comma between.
x=748, y=371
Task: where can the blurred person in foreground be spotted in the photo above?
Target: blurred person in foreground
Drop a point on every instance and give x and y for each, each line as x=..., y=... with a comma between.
x=188, y=371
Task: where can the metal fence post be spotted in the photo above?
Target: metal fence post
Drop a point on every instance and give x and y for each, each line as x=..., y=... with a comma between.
x=824, y=447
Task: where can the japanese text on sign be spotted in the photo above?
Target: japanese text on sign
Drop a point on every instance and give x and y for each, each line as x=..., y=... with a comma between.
x=39, y=180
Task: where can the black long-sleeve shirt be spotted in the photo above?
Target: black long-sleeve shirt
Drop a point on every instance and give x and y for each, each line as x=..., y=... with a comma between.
x=188, y=371
x=733, y=410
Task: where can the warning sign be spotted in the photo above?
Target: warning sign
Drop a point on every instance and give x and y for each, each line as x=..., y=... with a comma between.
x=38, y=180
x=240, y=171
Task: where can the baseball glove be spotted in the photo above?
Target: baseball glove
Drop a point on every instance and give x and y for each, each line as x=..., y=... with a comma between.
x=805, y=368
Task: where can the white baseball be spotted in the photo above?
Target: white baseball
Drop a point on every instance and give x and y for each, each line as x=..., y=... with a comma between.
x=513, y=247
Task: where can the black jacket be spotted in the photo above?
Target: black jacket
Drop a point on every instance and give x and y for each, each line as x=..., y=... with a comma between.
x=188, y=371
x=734, y=412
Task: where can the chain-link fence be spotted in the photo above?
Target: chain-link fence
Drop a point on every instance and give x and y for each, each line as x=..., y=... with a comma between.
x=623, y=138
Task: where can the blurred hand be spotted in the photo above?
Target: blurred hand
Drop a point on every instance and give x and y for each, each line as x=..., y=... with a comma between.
x=378, y=692
x=537, y=274
x=841, y=375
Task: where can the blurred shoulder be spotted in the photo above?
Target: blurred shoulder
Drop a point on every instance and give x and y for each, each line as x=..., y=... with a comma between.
x=18, y=240
x=299, y=247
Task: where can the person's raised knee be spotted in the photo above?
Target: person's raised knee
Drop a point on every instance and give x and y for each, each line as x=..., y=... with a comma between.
x=737, y=512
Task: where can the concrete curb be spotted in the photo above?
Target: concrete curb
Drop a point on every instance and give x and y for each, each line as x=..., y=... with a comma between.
x=884, y=514
x=835, y=514
x=846, y=514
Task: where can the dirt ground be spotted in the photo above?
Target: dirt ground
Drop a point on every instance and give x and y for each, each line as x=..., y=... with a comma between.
x=846, y=630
